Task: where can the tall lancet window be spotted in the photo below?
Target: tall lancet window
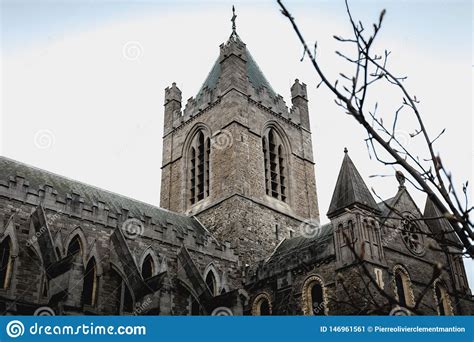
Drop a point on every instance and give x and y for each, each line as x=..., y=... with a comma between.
x=89, y=291
x=199, y=167
x=275, y=165
x=5, y=263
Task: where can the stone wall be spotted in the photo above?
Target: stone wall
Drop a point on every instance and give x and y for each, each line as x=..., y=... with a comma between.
x=253, y=228
x=236, y=124
x=70, y=218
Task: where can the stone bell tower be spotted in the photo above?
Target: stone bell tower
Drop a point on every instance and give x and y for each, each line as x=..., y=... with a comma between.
x=237, y=157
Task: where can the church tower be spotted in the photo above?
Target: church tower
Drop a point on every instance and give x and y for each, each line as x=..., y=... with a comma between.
x=237, y=157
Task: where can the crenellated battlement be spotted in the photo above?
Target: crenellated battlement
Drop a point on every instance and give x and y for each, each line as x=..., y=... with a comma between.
x=275, y=104
x=158, y=224
x=243, y=75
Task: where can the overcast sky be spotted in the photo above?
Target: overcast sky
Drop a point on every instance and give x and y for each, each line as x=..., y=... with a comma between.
x=83, y=81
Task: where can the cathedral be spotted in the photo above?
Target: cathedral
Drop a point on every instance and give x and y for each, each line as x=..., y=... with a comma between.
x=237, y=231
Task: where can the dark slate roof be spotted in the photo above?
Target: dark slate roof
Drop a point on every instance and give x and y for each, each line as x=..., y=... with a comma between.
x=293, y=245
x=439, y=226
x=350, y=189
x=294, y=253
x=254, y=74
x=38, y=179
x=386, y=205
x=212, y=78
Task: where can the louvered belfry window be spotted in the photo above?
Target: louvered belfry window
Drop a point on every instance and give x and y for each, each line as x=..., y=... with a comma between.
x=199, y=168
x=275, y=165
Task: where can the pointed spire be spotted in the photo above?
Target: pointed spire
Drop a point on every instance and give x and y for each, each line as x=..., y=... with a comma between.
x=236, y=47
x=350, y=189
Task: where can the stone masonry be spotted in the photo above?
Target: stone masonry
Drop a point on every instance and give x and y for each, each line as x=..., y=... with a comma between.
x=238, y=230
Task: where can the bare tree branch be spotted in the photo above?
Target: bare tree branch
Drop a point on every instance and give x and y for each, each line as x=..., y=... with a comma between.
x=435, y=181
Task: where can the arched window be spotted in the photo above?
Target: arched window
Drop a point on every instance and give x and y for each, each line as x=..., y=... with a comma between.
x=211, y=282
x=317, y=299
x=148, y=267
x=262, y=305
x=459, y=272
x=75, y=246
x=89, y=290
x=44, y=289
x=364, y=231
x=350, y=232
x=121, y=295
x=400, y=289
x=314, y=297
x=443, y=302
x=275, y=164
x=5, y=263
x=403, y=290
x=199, y=153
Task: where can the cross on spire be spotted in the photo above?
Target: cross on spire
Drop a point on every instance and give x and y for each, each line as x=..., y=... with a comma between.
x=234, y=16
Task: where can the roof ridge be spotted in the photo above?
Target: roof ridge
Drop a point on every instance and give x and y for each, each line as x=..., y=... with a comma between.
x=38, y=169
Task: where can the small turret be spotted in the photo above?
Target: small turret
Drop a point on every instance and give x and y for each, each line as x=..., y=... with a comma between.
x=299, y=98
x=352, y=210
x=172, y=106
x=350, y=190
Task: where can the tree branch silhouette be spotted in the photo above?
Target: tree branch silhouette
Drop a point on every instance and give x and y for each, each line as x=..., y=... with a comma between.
x=426, y=174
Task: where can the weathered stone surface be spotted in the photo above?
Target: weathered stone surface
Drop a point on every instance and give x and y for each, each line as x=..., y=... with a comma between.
x=237, y=244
